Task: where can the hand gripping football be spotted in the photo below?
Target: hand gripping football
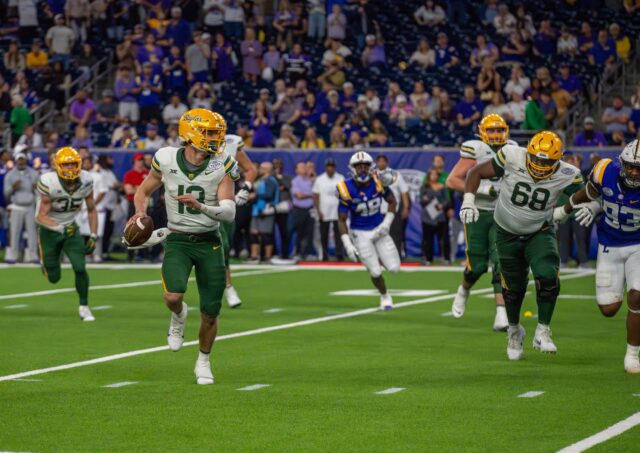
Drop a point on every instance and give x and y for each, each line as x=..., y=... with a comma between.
x=138, y=232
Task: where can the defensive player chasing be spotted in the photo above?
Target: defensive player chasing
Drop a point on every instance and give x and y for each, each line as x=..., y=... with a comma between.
x=532, y=180
x=616, y=187
x=480, y=236
x=233, y=148
x=361, y=197
x=199, y=194
x=61, y=195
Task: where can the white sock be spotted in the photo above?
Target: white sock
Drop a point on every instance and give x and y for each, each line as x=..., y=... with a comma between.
x=501, y=309
x=633, y=351
x=513, y=327
x=462, y=290
x=202, y=357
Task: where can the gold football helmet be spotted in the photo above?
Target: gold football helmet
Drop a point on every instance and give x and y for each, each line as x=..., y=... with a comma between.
x=68, y=163
x=494, y=130
x=203, y=129
x=544, y=154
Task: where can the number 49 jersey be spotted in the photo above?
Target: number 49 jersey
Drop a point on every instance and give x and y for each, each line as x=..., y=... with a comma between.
x=620, y=223
x=362, y=202
x=64, y=204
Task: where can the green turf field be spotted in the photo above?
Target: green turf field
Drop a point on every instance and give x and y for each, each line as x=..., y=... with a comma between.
x=460, y=391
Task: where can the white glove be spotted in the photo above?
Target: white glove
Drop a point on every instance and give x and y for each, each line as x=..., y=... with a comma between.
x=383, y=229
x=387, y=177
x=349, y=248
x=587, y=212
x=156, y=237
x=560, y=215
x=243, y=194
x=468, y=211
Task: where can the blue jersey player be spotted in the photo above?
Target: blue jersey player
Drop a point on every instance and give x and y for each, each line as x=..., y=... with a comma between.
x=369, y=240
x=617, y=187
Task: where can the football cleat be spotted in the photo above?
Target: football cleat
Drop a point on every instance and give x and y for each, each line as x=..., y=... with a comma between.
x=542, y=340
x=631, y=364
x=203, y=373
x=515, y=337
x=85, y=313
x=386, y=303
x=232, y=297
x=460, y=302
x=500, y=322
x=175, y=337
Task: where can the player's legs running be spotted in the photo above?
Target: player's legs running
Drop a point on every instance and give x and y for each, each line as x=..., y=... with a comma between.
x=632, y=274
x=176, y=267
x=542, y=255
x=74, y=247
x=369, y=257
x=388, y=254
x=226, y=234
x=50, y=248
x=500, y=322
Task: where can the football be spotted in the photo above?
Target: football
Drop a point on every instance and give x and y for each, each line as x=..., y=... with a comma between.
x=138, y=232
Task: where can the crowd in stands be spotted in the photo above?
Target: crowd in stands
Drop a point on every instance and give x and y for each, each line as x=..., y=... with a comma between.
x=315, y=73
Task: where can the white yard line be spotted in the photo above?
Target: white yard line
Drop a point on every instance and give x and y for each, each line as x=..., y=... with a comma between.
x=251, y=388
x=13, y=307
x=246, y=333
x=391, y=390
x=604, y=435
x=119, y=384
x=532, y=394
x=273, y=310
x=101, y=307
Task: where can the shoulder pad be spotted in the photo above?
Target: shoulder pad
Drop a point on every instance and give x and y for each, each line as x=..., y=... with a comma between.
x=343, y=191
x=468, y=149
x=597, y=174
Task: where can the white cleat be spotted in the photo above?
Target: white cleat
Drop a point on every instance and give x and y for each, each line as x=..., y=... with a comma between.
x=203, y=373
x=386, y=302
x=175, y=337
x=460, y=302
x=515, y=337
x=85, y=313
x=500, y=322
x=631, y=364
x=542, y=340
x=232, y=297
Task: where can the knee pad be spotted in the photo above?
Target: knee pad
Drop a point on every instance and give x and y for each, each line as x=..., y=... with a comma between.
x=395, y=268
x=608, y=298
x=512, y=297
x=548, y=288
x=267, y=238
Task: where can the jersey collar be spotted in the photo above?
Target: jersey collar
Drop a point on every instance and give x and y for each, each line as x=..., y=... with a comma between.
x=73, y=189
x=183, y=166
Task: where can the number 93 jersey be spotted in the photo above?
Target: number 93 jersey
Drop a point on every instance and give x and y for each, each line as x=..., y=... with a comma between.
x=202, y=183
x=65, y=203
x=620, y=223
x=362, y=202
x=525, y=204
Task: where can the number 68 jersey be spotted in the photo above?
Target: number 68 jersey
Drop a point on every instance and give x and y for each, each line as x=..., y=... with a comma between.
x=524, y=203
x=363, y=202
x=64, y=203
x=619, y=224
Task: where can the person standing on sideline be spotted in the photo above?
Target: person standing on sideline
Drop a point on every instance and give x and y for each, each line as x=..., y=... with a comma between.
x=282, y=219
x=109, y=202
x=401, y=193
x=302, y=222
x=19, y=191
x=132, y=180
x=326, y=204
x=263, y=213
x=435, y=203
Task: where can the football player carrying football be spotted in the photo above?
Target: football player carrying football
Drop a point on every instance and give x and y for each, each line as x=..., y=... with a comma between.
x=199, y=194
x=368, y=237
x=62, y=193
x=615, y=187
x=480, y=236
x=532, y=180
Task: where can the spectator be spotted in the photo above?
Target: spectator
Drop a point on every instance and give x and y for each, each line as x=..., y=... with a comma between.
x=402, y=113
x=19, y=117
x=124, y=137
x=152, y=141
x=251, y=50
x=336, y=23
x=586, y=40
x=373, y=53
x=545, y=41
x=317, y=19
x=518, y=81
x=213, y=16
x=429, y=14
x=337, y=138
x=504, y=22
x=108, y=203
x=544, y=77
x=365, y=21
x=287, y=109
x=567, y=43
x=446, y=55
x=524, y=22
x=514, y=50
x=282, y=218
x=548, y=106
x=224, y=57
x=29, y=96
x=337, y=52
x=296, y=64
x=489, y=81
x=13, y=60
x=434, y=200
x=148, y=87
x=311, y=140
x=284, y=23
x=310, y=112
x=20, y=195
x=36, y=59
x=490, y=12
x=178, y=30
x=197, y=58
x=469, y=108
x=484, y=51
x=424, y=56
x=617, y=116
x=534, y=117
x=348, y=98
x=373, y=101
x=617, y=139
x=82, y=110
x=301, y=22
x=562, y=98
x=589, y=135
x=77, y=13
x=175, y=72
x=419, y=93
x=287, y=139
x=126, y=51
x=263, y=213
x=233, y=20
x=260, y=124
x=333, y=75
x=622, y=42
x=132, y=180
x=60, y=40
x=301, y=219
x=498, y=107
x=378, y=134
x=333, y=114
x=172, y=137
x=201, y=96
x=115, y=16
x=326, y=205
x=569, y=82
x=81, y=138
x=517, y=107
x=124, y=91
x=272, y=63
x=446, y=113
x=27, y=19
x=30, y=139
x=173, y=110
x=603, y=52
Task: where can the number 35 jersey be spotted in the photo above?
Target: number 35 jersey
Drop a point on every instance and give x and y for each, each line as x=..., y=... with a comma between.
x=362, y=202
x=525, y=204
x=619, y=224
x=201, y=183
x=65, y=203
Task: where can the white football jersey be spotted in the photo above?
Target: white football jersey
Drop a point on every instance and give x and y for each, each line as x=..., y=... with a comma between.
x=201, y=183
x=234, y=144
x=65, y=203
x=525, y=204
x=481, y=152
